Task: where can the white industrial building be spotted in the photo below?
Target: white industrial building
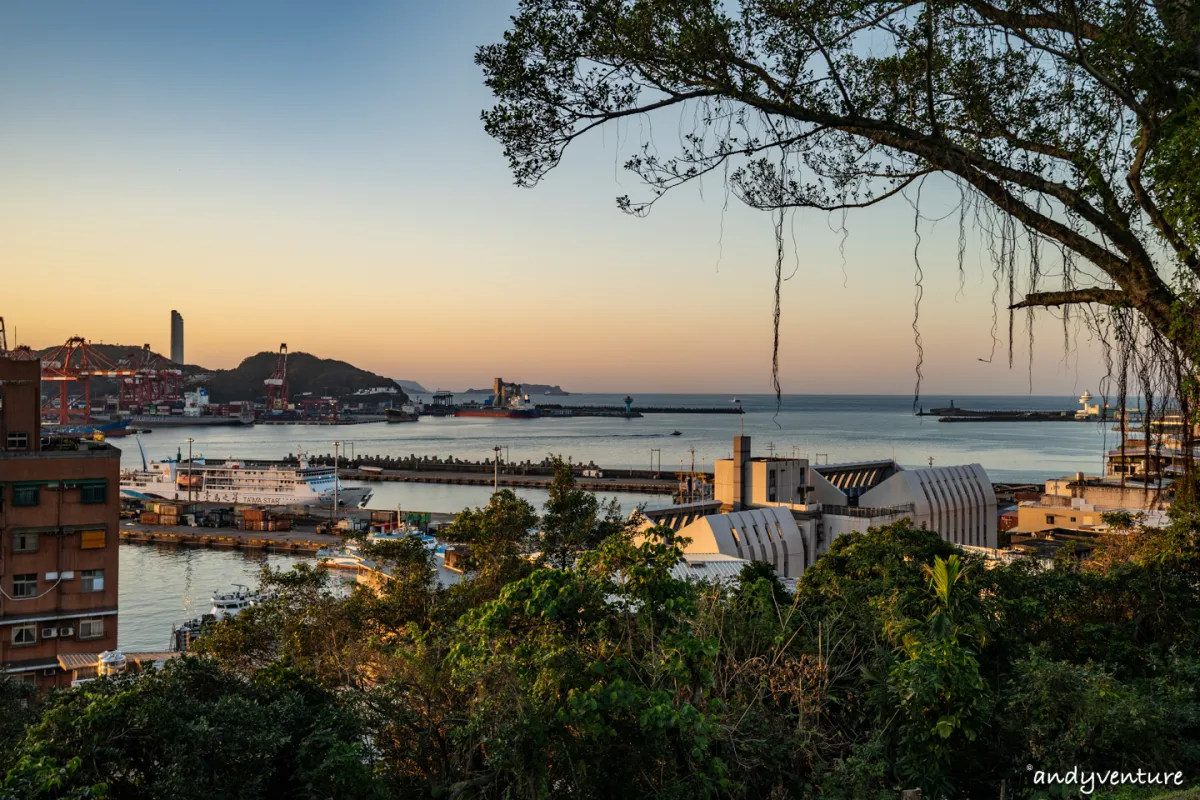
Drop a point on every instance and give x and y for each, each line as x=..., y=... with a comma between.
x=787, y=512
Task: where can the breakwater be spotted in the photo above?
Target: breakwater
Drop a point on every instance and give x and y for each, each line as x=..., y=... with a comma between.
x=556, y=410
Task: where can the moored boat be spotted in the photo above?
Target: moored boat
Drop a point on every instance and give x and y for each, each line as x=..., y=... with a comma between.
x=406, y=413
x=233, y=482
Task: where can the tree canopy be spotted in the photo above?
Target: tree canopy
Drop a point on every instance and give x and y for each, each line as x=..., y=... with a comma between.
x=900, y=662
x=1070, y=128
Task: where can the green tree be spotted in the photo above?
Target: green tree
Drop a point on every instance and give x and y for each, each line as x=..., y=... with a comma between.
x=575, y=520
x=193, y=730
x=500, y=534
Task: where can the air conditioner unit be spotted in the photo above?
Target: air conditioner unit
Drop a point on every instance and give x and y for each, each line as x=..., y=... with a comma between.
x=66, y=631
x=51, y=576
x=49, y=633
x=66, y=576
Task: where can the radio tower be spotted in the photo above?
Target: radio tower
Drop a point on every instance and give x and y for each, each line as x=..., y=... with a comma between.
x=277, y=385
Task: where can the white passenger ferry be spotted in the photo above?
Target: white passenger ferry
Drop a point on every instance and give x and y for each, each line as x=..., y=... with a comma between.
x=233, y=482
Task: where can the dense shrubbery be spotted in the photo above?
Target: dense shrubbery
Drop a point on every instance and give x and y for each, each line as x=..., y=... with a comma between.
x=900, y=663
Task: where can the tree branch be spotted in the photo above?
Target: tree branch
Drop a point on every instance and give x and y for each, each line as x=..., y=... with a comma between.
x=1108, y=297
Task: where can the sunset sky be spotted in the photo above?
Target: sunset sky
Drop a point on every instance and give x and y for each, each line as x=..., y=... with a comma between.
x=317, y=174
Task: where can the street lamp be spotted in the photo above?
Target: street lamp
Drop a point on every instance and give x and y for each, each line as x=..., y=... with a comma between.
x=189, y=441
x=336, y=446
x=496, y=470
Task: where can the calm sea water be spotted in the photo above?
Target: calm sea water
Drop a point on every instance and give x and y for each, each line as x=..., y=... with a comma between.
x=833, y=427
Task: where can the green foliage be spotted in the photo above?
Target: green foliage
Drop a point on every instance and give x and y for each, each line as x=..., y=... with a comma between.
x=499, y=534
x=193, y=730
x=575, y=520
x=900, y=662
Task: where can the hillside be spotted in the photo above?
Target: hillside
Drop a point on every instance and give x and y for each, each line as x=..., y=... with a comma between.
x=306, y=373
x=412, y=387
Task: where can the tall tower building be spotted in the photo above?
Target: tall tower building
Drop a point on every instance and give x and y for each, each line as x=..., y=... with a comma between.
x=176, y=337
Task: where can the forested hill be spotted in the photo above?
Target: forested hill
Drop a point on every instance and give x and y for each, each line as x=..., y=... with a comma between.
x=306, y=373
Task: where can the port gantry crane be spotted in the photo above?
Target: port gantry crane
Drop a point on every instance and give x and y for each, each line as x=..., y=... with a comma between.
x=277, y=384
x=144, y=378
x=76, y=362
x=152, y=381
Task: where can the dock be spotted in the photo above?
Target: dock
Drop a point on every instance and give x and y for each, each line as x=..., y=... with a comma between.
x=302, y=542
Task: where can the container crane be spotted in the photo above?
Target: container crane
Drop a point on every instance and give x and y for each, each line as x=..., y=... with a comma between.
x=77, y=362
x=277, y=385
x=153, y=380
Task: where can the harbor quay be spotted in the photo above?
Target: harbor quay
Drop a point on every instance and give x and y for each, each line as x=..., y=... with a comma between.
x=309, y=529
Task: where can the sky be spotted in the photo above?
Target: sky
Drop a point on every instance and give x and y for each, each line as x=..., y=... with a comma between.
x=317, y=174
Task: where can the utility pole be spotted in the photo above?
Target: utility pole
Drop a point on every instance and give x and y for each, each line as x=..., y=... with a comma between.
x=189, y=441
x=336, y=446
x=496, y=470
x=654, y=450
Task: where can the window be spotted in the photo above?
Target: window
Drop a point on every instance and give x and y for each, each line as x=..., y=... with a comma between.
x=25, y=542
x=25, y=495
x=92, y=580
x=17, y=441
x=24, y=634
x=1049, y=519
x=93, y=493
x=91, y=540
x=91, y=628
x=1072, y=519
x=25, y=585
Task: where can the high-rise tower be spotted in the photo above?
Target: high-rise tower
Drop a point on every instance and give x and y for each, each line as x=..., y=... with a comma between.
x=176, y=337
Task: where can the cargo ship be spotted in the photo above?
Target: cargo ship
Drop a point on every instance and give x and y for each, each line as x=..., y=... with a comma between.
x=119, y=427
x=516, y=408
x=506, y=402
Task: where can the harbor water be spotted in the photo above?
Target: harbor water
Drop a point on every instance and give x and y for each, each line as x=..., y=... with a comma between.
x=164, y=585
x=833, y=428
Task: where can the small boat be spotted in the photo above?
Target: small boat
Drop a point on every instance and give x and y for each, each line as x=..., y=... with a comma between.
x=735, y=400
x=677, y=433
x=230, y=604
x=406, y=413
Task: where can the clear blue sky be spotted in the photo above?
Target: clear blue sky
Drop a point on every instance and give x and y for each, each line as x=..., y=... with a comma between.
x=317, y=173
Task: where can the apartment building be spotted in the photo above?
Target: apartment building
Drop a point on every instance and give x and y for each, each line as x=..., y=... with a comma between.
x=59, y=514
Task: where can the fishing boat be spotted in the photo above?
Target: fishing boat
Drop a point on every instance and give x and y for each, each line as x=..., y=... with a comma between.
x=677, y=433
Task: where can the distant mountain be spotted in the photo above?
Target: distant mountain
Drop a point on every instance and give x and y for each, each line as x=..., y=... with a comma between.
x=306, y=373
x=527, y=388
x=412, y=387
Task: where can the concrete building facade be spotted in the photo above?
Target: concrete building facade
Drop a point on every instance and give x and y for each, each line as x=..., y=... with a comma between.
x=59, y=512
x=176, y=337
x=787, y=512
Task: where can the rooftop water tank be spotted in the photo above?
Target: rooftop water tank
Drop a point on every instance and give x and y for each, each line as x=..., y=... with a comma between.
x=111, y=662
